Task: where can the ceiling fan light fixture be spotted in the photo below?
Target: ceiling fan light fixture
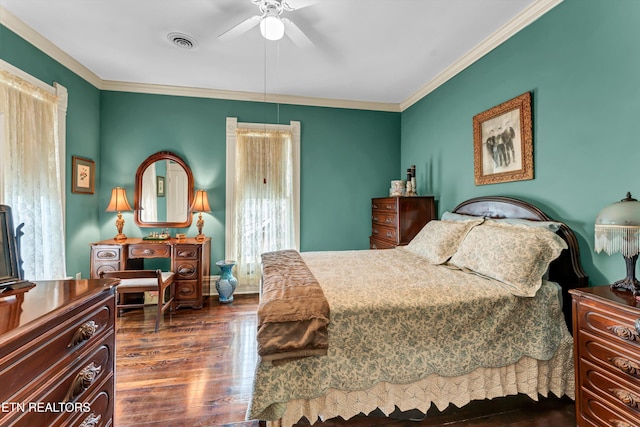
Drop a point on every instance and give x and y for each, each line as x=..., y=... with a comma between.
x=272, y=27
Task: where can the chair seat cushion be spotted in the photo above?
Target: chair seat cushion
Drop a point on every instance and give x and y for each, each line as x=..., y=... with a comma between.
x=144, y=281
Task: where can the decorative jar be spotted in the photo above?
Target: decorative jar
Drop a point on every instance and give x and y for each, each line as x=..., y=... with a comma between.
x=226, y=284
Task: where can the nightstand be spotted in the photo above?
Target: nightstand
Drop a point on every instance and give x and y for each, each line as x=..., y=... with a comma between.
x=606, y=333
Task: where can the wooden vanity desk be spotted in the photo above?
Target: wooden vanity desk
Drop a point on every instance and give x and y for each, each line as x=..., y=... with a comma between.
x=57, y=353
x=190, y=261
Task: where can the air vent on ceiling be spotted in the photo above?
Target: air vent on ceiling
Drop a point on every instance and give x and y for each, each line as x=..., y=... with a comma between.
x=182, y=40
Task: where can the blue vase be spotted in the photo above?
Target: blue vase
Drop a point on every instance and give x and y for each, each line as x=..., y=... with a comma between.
x=226, y=283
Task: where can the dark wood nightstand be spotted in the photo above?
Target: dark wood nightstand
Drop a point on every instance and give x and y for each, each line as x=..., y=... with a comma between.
x=606, y=333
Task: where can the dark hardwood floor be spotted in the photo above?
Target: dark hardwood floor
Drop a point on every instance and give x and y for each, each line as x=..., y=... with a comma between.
x=197, y=371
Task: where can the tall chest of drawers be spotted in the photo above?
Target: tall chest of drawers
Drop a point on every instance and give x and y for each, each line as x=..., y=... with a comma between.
x=396, y=220
x=57, y=354
x=606, y=333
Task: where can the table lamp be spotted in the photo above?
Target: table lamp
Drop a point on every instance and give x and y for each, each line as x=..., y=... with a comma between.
x=200, y=204
x=618, y=230
x=118, y=204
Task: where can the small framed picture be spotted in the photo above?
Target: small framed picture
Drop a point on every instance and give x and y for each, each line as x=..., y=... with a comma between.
x=83, y=172
x=503, y=142
x=160, y=186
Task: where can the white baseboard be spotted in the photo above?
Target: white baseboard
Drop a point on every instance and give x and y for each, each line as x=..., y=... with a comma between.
x=240, y=290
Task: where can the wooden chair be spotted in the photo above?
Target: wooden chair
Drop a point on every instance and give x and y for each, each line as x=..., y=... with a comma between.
x=139, y=281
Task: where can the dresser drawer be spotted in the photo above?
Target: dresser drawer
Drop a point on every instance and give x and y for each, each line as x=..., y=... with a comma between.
x=186, y=289
x=596, y=413
x=611, y=323
x=382, y=232
x=56, y=348
x=106, y=267
x=185, y=269
x=96, y=410
x=386, y=204
x=616, y=392
x=186, y=252
x=149, y=250
x=384, y=218
x=68, y=390
x=618, y=360
x=106, y=253
x=380, y=244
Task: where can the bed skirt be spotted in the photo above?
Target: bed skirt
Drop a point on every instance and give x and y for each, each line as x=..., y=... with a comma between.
x=527, y=376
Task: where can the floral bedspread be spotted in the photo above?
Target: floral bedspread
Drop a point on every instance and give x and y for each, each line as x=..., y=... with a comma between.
x=398, y=319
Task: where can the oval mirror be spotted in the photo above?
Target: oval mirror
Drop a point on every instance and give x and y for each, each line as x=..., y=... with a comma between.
x=164, y=191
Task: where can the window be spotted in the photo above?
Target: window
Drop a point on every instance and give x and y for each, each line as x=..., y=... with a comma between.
x=263, y=194
x=32, y=168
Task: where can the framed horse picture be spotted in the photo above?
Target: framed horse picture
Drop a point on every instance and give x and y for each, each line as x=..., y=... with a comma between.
x=503, y=142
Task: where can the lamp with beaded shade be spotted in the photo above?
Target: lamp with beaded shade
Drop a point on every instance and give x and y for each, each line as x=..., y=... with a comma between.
x=617, y=230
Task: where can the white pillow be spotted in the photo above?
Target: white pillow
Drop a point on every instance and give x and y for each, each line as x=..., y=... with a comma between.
x=516, y=255
x=439, y=240
x=450, y=216
x=550, y=225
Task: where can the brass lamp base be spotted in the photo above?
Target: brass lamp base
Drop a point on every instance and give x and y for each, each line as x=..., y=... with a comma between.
x=629, y=283
x=200, y=224
x=119, y=226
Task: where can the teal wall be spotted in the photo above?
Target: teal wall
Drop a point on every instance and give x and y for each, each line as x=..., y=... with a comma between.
x=581, y=61
x=347, y=157
x=83, y=138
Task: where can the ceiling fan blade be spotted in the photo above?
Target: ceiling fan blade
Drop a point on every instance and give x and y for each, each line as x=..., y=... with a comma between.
x=295, y=34
x=298, y=4
x=240, y=29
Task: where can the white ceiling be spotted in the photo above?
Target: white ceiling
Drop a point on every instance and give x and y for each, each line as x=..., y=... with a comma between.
x=370, y=51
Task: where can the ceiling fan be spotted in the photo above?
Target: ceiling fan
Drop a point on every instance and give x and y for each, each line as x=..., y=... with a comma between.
x=272, y=25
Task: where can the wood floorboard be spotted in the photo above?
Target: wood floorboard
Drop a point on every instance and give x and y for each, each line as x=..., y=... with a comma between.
x=198, y=371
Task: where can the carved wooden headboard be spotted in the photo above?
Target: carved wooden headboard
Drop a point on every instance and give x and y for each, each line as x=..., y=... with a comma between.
x=566, y=270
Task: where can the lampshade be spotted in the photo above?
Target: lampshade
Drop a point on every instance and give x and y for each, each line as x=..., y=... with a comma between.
x=617, y=228
x=272, y=27
x=200, y=202
x=118, y=201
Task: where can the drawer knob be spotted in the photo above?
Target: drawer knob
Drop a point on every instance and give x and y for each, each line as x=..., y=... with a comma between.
x=388, y=220
x=91, y=421
x=148, y=252
x=625, y=333
x=82, y=381
x=83, y=333
x=626, y=397
x=626, y=366
x=375, y=218
x=389, y=234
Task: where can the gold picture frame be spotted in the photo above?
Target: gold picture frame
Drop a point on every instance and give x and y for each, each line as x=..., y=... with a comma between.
x=83, y=172
x=503, y=142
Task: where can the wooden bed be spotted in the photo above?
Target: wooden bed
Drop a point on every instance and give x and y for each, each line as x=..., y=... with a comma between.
x=287, y=392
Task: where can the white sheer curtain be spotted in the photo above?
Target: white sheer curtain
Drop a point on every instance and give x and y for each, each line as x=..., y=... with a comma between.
x=31, y=174
x=264, y=201
x=149, y=212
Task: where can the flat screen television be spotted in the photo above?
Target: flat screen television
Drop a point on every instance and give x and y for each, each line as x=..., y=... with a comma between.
x=10, y=263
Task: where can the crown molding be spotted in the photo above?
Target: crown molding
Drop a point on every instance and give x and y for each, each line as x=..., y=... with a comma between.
x=526, y=17
x=15, y=24
x=245, y=96
x=529, y=15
